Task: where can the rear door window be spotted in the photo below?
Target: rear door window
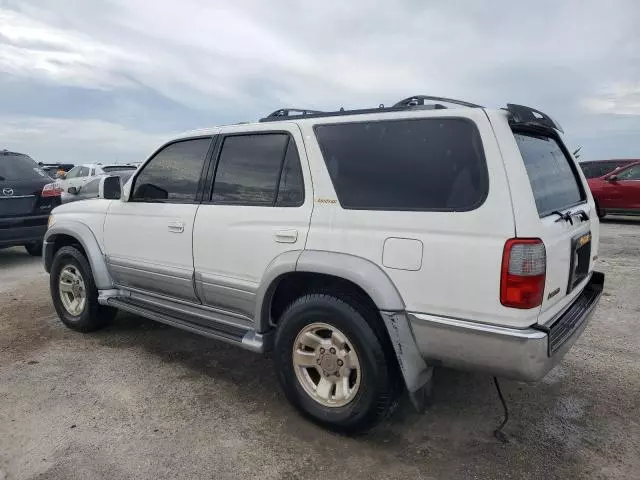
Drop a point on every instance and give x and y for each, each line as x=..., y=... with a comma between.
x=259, y=170
x=551, y=175
x=435, y=164
x=15, y=166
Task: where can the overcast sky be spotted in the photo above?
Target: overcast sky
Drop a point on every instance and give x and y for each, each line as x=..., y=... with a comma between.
x=108, y=80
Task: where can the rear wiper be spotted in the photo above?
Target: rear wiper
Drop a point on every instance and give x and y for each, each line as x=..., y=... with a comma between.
x=568, y=217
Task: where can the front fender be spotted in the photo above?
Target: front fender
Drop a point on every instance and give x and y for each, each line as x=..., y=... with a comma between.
x=85, y=237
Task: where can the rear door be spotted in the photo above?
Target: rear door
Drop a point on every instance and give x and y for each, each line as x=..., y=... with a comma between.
x=552, y=202
x=258, y=207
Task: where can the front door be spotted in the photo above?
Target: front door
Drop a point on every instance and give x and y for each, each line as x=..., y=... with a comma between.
x=148, y=236
x=623, y=192
x=259, y=207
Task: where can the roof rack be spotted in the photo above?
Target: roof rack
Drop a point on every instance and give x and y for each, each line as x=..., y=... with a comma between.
x=409, y=103
x=290, y=112
x=420, y=99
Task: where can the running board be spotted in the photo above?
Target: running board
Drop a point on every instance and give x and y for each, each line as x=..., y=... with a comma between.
x=239, y=335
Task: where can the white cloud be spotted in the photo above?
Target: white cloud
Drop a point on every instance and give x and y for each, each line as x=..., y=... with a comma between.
x=617, y=99
x=254, y=56
x=77, y=141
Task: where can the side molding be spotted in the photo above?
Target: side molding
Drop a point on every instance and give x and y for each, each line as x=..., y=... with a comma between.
x=87, y=239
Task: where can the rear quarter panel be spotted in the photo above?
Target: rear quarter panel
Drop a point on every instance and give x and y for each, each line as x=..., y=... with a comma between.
x=458, y=274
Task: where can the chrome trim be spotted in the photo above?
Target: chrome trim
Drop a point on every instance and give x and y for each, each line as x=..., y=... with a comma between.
x=521, y=354
x=12, y=197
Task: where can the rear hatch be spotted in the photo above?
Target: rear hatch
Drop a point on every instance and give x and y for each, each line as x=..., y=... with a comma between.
x=21, y=182
x=564, y=219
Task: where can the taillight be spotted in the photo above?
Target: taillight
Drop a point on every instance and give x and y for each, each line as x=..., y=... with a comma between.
x=51, y=190
x=524, y=265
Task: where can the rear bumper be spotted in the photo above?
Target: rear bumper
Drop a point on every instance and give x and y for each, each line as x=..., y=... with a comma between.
x=522, y=354
x=21, y=230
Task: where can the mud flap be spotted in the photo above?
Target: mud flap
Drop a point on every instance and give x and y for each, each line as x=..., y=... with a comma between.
x=415, y=371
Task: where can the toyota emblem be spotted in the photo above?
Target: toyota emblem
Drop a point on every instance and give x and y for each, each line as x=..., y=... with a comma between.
x=7, y=191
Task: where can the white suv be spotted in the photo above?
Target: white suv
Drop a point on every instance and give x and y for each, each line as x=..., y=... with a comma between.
x=361, y=247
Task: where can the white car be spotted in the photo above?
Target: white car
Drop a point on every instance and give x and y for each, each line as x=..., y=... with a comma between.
x=362, y=248
x=81, y=174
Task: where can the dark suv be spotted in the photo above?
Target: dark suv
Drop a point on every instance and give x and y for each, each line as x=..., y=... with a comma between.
x=26, y=199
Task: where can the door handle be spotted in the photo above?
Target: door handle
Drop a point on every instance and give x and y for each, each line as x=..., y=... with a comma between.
x=286, y=236
x=176, y=227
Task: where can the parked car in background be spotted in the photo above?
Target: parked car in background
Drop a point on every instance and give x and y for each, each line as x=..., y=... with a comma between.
x=361, y=247
x=618, y=192
x=56, y=170
x=91, y=189
x=599, y=168
x=26, y=198
x=80, y=174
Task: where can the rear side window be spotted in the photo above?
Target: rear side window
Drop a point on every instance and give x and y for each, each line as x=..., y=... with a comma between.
x=16, y=166
x=259, y=170
x=173, y=173
x=553, y=180
x=427, y=164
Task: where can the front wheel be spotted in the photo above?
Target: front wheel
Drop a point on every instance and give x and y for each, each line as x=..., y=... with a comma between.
x=332, y=365
x=75, y=296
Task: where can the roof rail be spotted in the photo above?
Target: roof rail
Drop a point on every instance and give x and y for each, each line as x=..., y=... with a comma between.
x=417, y=101
x=289, y=112
x=420, y=99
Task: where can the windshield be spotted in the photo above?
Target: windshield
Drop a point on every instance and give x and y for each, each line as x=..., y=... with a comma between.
x=552, y=177
x=17, y=166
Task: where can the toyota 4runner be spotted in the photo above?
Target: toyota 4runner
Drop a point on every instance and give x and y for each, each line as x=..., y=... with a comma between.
x=362, y=248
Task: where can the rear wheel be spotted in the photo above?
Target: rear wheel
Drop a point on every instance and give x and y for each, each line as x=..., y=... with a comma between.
x=332, y=366
x=34, y=249
x=75, y=296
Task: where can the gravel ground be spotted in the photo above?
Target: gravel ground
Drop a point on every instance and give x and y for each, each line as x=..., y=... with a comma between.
x=141, y=400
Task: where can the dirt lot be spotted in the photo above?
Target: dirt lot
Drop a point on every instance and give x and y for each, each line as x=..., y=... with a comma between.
x=141, y=400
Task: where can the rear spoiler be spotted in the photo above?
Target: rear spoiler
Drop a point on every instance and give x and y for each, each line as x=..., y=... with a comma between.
x=522, y=115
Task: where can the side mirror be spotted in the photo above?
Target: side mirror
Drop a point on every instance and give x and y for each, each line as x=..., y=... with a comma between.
x=612, y=178
x=73, y=190
x=110, y=188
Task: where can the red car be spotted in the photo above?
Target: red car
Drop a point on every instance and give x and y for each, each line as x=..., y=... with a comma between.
x=618, y=192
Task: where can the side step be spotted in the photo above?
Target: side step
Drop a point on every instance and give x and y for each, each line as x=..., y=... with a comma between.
x=239, y=335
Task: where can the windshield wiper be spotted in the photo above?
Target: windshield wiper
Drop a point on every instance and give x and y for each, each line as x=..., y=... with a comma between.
x=568, y=217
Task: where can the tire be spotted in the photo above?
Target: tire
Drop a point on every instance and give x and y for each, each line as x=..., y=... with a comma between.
x=34, y=249
x=376, y=394
x=89, y=315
